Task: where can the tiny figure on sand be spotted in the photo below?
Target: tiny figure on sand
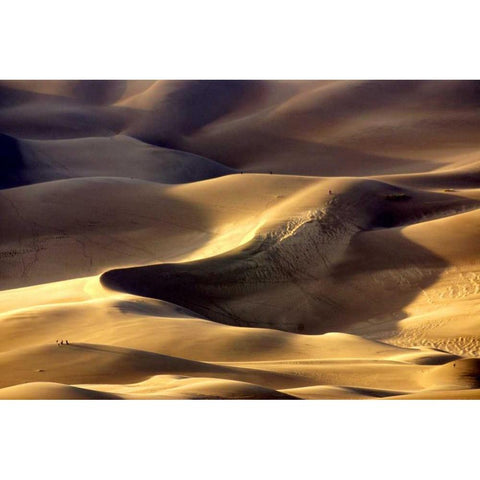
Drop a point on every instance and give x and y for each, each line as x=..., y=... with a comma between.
x=61, y=342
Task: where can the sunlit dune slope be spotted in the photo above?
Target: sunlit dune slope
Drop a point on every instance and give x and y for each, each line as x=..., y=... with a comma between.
x=118, y=339
x=52, y=391
x=79, y=227
x=190, y=388
x=128, y=321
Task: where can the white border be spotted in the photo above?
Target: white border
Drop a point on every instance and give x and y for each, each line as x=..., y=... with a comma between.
x=239, y=439
x=252, y=39
x=244, y=40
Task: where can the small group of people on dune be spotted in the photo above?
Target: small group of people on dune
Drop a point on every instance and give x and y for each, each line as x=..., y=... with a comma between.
x=61, y=342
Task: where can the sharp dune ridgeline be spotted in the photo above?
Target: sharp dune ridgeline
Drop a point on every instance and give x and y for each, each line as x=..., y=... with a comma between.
x=239, y=239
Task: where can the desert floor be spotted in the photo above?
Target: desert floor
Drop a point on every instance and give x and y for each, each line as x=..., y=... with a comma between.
x=240, y=239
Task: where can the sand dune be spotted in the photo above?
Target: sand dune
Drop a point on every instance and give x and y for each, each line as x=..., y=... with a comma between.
x=125, y=320
x=277, y=360
x=52, y=391
x=198, y=389
x=35, y=161
x=92, y=363
x=108, y=222
x=82, y=91
x=373, y=126
x=306, y=260
x=61, y=120
x=379, y=125
x=175, y=387
x=239, y=239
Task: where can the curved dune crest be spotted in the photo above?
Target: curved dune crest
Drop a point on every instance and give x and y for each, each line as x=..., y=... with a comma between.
x=52, y=391
x=180, y=387
x=109, y=222
x=85, y=91
x=91, y=363
x=35, y=161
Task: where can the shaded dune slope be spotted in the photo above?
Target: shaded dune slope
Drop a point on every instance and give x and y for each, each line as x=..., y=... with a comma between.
x=294, y=273
x=62, y=109
x=387, y=127
x=96, y=92
x=12, y=165
x=25, y=162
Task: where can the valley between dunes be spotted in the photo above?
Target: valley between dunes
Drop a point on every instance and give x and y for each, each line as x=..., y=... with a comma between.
x=240, y=239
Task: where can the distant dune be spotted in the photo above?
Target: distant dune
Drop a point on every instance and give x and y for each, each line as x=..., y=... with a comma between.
x=239, y=239
x=36, y=161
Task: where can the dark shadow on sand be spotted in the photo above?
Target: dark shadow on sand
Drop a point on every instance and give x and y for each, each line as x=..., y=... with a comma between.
x=12, y=167
x=381, y=272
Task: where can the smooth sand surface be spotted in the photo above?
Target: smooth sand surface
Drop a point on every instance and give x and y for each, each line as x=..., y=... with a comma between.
x=239, y=240
x=35, y=161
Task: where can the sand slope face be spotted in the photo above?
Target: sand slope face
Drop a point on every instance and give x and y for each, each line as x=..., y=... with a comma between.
x=74, y=228
x=300, y=127
x=373, y=126
x=35, y=161
x=239, y=240
x=52, y=391
x=79, y=227
x=62, y=109
x=296, y=272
